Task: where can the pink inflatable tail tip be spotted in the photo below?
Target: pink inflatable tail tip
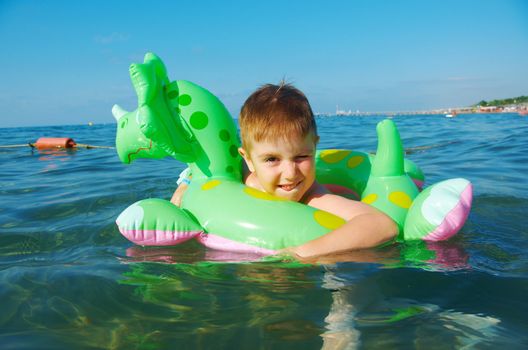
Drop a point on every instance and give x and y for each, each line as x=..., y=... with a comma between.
x=455, y=219
x=158, y=237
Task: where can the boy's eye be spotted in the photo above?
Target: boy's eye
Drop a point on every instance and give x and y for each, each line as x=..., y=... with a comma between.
x=271, y=159
x=303, y=157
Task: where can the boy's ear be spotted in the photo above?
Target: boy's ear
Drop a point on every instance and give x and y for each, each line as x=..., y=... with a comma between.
x=316, y=140
x=248, y=161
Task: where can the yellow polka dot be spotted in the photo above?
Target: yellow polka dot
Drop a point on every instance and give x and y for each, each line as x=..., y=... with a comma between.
x=333, y=155
x=401, y=199
x=210, y=184
x=355, y=161
x=371, y=198
x=327, y=220
x=261, y=195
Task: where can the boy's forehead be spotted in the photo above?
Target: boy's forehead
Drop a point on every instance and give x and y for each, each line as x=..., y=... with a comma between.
x=291, y=138
x=293, y=141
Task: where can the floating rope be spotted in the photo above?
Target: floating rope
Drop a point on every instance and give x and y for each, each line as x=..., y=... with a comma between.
x=55, y=142
x=67, y=142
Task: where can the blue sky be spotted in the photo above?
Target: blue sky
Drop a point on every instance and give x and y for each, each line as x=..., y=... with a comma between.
x=66, y=62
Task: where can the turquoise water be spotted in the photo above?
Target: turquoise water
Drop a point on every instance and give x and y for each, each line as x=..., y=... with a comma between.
x=69, y=280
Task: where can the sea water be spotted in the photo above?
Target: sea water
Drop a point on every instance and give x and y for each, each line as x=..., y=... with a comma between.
x=68, y=279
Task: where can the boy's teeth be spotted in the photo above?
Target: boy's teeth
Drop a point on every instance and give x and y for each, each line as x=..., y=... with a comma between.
x=288, y=187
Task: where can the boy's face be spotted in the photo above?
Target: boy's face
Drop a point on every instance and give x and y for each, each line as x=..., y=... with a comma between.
x=284, y=168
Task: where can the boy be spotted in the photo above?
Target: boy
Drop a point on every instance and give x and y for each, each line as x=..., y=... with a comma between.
x=279, y=135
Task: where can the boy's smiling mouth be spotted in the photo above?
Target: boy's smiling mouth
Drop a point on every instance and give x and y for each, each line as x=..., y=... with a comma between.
x=290, y=187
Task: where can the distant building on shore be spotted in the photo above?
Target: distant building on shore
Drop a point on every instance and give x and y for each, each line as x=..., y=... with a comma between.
x=343, y=112
x=490, y=109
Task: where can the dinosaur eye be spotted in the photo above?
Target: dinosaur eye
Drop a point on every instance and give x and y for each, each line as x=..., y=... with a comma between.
x=124, y=123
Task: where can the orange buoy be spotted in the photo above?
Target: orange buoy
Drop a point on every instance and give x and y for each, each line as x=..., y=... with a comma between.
x=55, y=142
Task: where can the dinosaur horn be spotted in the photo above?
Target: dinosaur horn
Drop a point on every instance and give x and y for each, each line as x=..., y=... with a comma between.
x=159, y=67
x=144, y=80
x=118, y=112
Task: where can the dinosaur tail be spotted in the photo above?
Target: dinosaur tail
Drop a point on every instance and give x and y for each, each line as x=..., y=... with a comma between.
x=389, y=188
x=389, y=156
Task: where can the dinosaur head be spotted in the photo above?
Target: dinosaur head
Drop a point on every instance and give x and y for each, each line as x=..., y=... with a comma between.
x=154, y=129
x=131, y=143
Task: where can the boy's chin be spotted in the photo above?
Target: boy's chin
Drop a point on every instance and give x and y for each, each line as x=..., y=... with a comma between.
x=293, y=195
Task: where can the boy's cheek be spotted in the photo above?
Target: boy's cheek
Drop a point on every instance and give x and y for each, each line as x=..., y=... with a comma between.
x=309, y=164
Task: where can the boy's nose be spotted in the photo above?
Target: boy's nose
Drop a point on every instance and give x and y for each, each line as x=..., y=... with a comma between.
x=290, y=170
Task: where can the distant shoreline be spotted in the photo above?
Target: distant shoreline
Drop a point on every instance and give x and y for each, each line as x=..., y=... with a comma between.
x=520, y=109
x=393, y=114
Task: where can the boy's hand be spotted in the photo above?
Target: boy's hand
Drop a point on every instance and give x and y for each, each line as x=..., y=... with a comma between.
x=178, y=194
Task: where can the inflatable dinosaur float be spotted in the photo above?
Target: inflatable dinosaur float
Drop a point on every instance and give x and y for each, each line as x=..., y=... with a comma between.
x=185, y=121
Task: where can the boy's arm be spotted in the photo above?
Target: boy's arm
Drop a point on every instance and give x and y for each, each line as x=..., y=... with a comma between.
x=366, y=230
x=183, y=182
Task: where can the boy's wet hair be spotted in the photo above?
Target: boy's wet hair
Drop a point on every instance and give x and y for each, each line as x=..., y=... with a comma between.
x=276, y=111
